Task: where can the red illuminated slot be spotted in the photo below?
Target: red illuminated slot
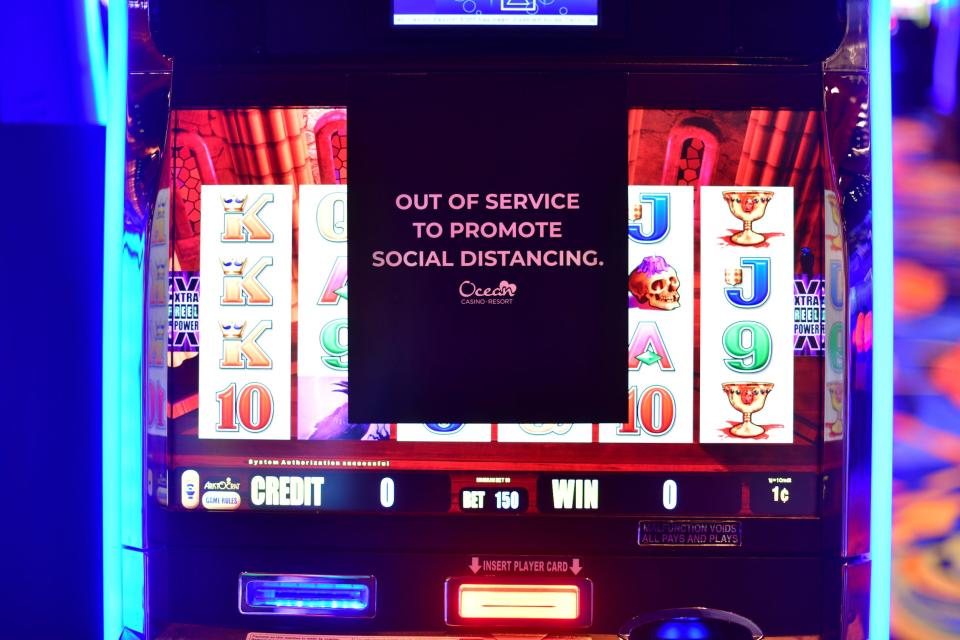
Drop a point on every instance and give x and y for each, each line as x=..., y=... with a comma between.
x=513, y=602
x=547, y=602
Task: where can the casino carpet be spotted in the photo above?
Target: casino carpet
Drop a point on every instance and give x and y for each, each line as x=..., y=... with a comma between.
x=926, y=532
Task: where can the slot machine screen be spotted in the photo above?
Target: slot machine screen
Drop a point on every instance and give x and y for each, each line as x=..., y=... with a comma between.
x=723, y=297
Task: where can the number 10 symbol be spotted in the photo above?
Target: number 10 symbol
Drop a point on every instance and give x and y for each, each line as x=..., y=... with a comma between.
x=253, y=407
x=749, y=346
x=654, y=412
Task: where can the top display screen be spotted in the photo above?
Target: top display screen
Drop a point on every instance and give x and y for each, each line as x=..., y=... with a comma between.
x=553, y=13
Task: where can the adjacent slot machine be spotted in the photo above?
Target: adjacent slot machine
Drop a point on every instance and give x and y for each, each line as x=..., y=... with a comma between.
x=447, y=442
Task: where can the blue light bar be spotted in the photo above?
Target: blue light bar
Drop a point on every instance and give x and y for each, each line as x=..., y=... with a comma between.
x=96, y=58
x=881, y=496
x=305, y=595
x=114, y=353
x=134, y=578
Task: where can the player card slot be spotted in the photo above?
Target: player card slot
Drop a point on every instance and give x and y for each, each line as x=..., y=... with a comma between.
x=501, y=601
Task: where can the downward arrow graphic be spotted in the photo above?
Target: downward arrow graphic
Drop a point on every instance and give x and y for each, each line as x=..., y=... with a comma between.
x=575, y=566
x=474, y=564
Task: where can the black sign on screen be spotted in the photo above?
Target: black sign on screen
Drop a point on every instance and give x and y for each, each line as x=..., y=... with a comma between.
x=487, y=257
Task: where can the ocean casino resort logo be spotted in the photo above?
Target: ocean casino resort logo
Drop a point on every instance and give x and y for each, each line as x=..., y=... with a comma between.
x=472, y=293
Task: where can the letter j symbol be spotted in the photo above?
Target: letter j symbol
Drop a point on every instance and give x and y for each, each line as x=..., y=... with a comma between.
x=760, y=268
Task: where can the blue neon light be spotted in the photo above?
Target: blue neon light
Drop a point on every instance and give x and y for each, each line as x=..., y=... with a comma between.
x=943, y=92
x=682, y=630
x=881, y=141
x=294, y=595
x=115, y=355
x=130, y=337
x=134, y=578
x=310, y=595
x=97, y=58
x=316, y=604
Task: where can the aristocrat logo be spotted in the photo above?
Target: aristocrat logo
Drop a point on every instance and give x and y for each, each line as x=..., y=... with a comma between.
x=222, y=485
x=472, y=293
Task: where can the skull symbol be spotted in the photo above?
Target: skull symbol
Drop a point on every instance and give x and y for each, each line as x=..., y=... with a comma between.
x=655, y=282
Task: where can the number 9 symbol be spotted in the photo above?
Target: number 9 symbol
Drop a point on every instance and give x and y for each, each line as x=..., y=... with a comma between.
x=749, y=346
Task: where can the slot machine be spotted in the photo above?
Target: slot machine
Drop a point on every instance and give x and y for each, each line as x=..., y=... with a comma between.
x=538, y=190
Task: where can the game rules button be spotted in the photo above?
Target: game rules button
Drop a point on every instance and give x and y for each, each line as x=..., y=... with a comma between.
x=221, y=500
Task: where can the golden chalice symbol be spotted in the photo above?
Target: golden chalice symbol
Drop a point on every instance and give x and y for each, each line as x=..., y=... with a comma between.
x=833, y=209
x=748, y=207
x=836, y=402
x=748, y=398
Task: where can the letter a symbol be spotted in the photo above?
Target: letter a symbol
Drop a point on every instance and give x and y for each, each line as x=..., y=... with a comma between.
x=336, y=286
x=648, y=348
